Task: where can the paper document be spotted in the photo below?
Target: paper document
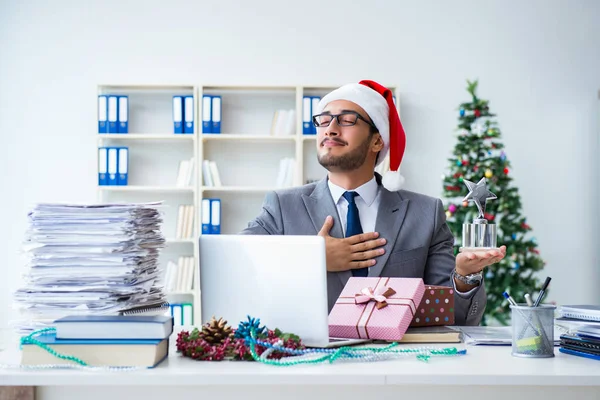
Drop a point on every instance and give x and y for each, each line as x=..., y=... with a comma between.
x=90, y=259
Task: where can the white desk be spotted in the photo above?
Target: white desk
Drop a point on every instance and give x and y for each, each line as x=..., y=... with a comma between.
x=484, y=373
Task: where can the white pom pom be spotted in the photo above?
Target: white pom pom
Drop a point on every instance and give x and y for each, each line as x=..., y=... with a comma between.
x=393, y=180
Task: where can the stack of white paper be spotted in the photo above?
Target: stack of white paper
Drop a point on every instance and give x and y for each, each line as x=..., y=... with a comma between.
x=90, y=259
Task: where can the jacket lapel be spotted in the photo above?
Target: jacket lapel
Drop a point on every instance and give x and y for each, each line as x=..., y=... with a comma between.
x=319, y=205
x=392, y=210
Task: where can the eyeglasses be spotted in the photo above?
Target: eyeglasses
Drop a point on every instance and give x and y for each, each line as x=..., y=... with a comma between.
x=347, y=118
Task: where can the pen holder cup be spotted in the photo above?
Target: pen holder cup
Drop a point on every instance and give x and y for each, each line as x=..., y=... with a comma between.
x=533, y=331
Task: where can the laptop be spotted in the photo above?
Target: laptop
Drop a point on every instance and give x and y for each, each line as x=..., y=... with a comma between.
x=280, y=279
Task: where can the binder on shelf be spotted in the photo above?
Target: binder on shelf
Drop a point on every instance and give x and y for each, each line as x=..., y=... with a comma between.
x=123, y=166
x=216, y=114
x=306, y=116
x=102, y=114
x=123, y=114
x=188, y=315
x=102, y=166
x=206, y=114
x=206, y=229
x=113, y=112
x=177, y=114
x=215, y=216
x=188, y=114
x=313, y=107
x=112, y=165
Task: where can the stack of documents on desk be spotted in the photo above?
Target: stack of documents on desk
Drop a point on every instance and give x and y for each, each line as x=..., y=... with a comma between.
x=90, y=260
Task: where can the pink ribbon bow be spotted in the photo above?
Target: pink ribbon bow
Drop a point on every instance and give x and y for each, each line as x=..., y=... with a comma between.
x=379, y=295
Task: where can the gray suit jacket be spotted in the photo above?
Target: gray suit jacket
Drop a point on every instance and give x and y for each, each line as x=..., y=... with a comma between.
x=419, y=242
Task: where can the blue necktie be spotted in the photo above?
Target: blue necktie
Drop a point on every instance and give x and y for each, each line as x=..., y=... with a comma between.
x=353, y=226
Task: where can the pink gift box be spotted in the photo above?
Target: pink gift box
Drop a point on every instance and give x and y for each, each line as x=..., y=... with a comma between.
x=376, y=308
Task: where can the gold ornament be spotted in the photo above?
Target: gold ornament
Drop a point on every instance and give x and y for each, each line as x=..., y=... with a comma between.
x=216, y=331
x=465, y=203
x=488, y=173
x=448, y=214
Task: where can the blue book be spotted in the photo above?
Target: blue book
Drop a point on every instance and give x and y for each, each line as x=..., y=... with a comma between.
x=107, y=328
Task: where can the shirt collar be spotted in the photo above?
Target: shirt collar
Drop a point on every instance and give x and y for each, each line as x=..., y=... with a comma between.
x=367, y=191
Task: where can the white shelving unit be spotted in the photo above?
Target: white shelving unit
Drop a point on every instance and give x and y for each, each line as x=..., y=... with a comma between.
x=247, y=156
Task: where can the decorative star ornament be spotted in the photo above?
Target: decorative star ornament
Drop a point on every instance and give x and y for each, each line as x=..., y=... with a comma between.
x=479, y=194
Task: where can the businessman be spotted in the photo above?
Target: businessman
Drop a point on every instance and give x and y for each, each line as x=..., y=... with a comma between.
x=371, y=226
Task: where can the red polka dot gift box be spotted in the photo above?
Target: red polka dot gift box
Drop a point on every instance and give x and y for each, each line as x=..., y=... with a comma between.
x=436, y=307
x=376, y=308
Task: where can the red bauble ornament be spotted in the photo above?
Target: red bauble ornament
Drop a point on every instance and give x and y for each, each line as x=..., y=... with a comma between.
x=475, y=168
x=489, y=217
x=506, y=171
x=465, y=162
x=477, y=113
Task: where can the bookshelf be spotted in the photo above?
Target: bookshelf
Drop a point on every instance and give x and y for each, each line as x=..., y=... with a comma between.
x=247, y=152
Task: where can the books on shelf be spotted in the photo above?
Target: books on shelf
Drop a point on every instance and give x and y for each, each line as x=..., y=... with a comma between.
x=210, y=174
x=287, y=170
x=180, y=277
x=185, y=174
x=284, y=123
x=185, y=222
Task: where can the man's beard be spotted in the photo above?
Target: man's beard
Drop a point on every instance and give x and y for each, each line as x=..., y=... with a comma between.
x=347, y=162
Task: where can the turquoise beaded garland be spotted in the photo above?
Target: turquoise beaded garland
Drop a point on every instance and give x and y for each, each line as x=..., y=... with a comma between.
x=343, y=353
x=295, y=356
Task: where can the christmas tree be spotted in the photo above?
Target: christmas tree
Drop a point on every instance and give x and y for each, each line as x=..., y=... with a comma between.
x=479, y=153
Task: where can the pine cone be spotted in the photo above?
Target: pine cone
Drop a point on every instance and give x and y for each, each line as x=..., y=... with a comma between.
x=216, y=332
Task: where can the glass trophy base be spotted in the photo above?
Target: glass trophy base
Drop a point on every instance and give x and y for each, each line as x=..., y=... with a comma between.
x=479, y=236
x=473, y=249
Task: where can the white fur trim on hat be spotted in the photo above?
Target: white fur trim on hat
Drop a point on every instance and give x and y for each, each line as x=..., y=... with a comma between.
x=392, y=180
x=372, y=102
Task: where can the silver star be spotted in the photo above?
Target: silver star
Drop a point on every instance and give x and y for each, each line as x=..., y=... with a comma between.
x=479, y=194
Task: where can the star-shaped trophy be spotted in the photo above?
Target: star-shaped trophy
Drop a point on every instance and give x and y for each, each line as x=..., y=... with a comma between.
x=479, y=235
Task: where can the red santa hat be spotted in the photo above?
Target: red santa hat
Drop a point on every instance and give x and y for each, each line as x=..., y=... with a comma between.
x=378, y=103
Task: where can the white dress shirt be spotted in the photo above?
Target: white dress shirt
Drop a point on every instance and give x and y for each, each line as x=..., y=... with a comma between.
x=367, y=202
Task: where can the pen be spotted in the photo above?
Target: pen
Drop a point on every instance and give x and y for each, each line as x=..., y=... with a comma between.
x=542, y=292
x=528, y=300
x=510, y=299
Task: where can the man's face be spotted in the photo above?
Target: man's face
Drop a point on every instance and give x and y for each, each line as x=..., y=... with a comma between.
x=344, y=148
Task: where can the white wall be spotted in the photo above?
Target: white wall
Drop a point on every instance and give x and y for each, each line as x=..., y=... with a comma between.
x=537, y=61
